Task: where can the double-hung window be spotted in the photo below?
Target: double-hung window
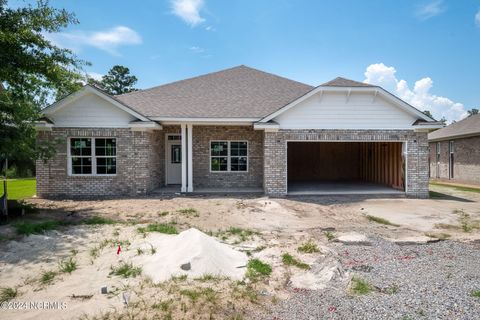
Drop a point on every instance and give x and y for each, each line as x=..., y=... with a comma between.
x=93, y=156
x=229, y=156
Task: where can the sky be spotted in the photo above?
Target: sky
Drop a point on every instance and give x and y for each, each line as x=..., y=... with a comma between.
x=425, y=52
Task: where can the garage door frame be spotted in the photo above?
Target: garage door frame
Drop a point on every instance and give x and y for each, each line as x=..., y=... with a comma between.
x=404, y=153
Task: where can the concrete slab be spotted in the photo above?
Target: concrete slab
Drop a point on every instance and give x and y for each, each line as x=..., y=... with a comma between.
x=413, y=240
x=334, y=188
x=353, y=238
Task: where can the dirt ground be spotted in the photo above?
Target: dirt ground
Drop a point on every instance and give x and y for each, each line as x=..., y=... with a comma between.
x=277, y=226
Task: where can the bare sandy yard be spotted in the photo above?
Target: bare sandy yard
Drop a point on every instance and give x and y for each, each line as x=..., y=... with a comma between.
x=39, y=267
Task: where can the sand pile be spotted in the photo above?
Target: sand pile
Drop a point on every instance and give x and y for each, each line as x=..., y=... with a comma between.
x=205, y=255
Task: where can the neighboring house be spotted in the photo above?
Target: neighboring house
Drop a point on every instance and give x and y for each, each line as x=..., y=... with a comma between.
x=238, y=129
x=455, y=151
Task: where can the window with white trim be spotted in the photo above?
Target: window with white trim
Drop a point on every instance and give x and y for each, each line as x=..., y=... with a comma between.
x=229, y=156
x=93, y=156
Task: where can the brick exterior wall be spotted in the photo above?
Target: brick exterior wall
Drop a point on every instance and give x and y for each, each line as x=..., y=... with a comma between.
x=466, y=164
x=275, y=156
x=137, y=164
x=203, y=178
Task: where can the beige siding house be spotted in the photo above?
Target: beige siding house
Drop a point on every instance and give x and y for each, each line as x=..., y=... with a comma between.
x=236, y=130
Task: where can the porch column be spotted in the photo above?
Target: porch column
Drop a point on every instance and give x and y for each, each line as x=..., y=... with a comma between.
x=189, y=158
x=184, y=158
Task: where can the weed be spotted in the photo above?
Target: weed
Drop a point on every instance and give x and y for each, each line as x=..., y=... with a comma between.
x=7, y=294
x=28, y=228
x=95, y=252
x=440, y=236
x=139, y=251
x=247, y=292
x=210, y=277
x=330, y=235
x=257, y=268
x=189, y=212
x=153, y=250
x=359, y=286
x=68, y=266
x=74, y=252
x=180, y=278
x=192, y=294
x=240, y=233
x=116, y=233
x=381, y=221
x=309, y=247
x=47, y=277
x=391, y=289
x=464, y=221
x=475, y=294
x=164, y=305
x=289, y=260
x=97, y=220
x=126, y=270
x=163, y=213
x=158, y=227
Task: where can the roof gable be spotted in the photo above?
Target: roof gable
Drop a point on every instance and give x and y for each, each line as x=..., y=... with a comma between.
x=373, y=90
x=86, y=90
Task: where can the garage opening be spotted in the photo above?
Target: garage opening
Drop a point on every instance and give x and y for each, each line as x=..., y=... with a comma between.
x=345, y=168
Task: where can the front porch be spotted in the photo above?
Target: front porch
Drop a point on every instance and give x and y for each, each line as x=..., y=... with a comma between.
x=207, y=159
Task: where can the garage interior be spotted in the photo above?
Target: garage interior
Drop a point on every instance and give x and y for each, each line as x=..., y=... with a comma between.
x=345, y=168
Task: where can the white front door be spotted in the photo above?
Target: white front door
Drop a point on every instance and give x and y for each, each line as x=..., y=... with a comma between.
x=173, y=159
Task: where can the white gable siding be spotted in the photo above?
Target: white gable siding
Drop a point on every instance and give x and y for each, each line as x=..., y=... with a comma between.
x=332, y=111
x=91, y=111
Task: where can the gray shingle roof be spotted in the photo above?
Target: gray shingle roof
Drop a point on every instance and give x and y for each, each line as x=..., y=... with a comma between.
x=343, y=82
x=467, y=127
x=239, y=92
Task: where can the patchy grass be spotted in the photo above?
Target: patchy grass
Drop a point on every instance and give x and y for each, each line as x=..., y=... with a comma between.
x=158, y=227
x=381, y=221
x=438, y=195
x=97, y=220
x=309, y=247
x=290, y=260
x=189, y=212
x=7, y=294
x=475, y=294
x=19, y=189
x=257, y=269
x=330, y=235
x=180, y=278
x=210, y=277
x=163, y=213
x=438, y=235
x=240, y=233
x=47, y=277
x=126, y=270
x=68, y=266
x=195, y=294
x=456, y=187
x=358, y=286
x=28, y=228
x=464, y=222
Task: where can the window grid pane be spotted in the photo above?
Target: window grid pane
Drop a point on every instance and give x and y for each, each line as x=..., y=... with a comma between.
x=219, y=148
x=219, y=163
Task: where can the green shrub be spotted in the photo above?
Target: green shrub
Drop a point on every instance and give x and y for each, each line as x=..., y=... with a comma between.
x=309, y=247
x=257, y=268
x=126, y=270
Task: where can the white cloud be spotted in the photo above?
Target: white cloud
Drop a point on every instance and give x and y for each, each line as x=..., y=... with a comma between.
x=430, y=10
x=109, y=40
x=210, y=28
x=95, y=75
x=188, y=10
x=477, y=19
x=196, y=49
x=419, y=97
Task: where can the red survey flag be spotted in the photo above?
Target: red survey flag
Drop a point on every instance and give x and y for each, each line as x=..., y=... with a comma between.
x=119, y=249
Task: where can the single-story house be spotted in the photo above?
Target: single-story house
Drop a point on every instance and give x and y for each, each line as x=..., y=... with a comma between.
x=455, y=151
x=238, y=129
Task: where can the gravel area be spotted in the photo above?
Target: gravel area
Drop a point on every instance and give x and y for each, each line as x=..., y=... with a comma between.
x=432, y=281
